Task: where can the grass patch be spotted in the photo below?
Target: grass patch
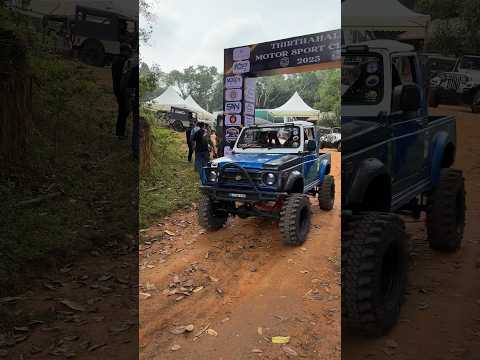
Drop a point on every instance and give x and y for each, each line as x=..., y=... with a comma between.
x=172, y=183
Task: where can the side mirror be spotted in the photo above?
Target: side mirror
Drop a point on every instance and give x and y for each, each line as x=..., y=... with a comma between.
x=311, y=145
x=406, y=98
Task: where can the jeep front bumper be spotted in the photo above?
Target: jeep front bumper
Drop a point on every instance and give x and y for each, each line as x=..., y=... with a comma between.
x=240, y=195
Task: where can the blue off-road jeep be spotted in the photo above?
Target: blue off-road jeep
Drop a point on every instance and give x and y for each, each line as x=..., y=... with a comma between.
x=270, y=172
x=396, y=160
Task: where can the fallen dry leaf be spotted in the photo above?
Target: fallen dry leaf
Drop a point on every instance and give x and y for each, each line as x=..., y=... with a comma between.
x=280, y=339
x=289, y=351
x=73, y=305
x=212, y=332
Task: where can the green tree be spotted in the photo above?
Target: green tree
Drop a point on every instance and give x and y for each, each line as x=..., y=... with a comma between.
x=457, y=29
x=197, y=81
x=216, y=98
x=145, y=31
x=151, y=81
x=329, y=93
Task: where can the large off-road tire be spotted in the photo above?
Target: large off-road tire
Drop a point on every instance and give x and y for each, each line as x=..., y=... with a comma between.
x=326, y=195
x=208, y=218
x=177, y=126
x=295, y=218
x=92, y=53
x=476, y=103
x=446, y=212
x=374, y=272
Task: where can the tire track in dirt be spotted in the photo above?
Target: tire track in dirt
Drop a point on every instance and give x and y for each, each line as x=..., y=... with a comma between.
x=250, y=280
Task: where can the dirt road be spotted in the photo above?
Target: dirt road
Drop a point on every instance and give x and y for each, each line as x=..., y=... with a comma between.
x=441, y=317
x=241, y=287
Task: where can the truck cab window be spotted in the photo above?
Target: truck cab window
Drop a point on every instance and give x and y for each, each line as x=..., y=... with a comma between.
x=404, y=68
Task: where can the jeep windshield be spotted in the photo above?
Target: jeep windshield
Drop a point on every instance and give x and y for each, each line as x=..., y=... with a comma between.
x=275, y=137
x=362, y=79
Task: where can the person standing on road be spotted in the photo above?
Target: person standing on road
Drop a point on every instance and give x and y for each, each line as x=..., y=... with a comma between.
x=196, y=127
x=120, y=90
x=213, y=144
x=201, y=140
x=188, y=133
x=132, y=73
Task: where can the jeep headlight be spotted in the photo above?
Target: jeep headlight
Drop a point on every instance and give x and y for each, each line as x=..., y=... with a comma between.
x=269, y=179
x=435, y=81
x=212, y=176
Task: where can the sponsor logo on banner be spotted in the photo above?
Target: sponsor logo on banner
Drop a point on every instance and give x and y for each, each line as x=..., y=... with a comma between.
x=241, y=67
x=242, y=53
x=231, y=134
x=250, y=84
x=233, y=94
x=249, y=121
x=227, y=150
x=233, y=107
x=233, y=120
x=284, y=62
x=233, y=82
x=249, y=109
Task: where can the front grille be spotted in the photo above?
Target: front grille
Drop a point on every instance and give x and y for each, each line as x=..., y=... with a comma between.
x=236, y=177
x=452, y=81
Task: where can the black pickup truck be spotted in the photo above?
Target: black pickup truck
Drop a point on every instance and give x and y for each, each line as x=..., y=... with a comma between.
x=396, y=161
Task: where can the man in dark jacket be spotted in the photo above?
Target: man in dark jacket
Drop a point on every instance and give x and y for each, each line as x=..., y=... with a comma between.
x=201, y=142
x=133, y=88
x=188, y=134
x=120, y=90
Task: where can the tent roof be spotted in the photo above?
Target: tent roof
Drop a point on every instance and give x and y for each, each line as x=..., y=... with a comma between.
x=295, y=106
x=168, y=99
x=190, y=101
x=380, y=15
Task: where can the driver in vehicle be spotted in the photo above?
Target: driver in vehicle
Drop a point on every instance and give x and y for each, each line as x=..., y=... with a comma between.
x=273, y=140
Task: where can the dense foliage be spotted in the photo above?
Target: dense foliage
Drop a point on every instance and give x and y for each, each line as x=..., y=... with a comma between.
x=318, y=89
x=456, y=25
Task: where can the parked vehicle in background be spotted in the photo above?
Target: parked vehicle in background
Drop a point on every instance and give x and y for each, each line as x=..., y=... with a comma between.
x=458, y=87
x=396, y=160
x=91, y=34
x=436, y=64
x=330, y=138
x=269, y=174
x=180, y=119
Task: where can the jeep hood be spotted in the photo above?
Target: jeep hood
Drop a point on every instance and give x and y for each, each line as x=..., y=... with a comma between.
x=256, y=161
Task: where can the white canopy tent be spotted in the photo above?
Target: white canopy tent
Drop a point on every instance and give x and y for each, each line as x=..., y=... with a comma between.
x=168, y=99
x=380, y=15
x=295, y=107
x=201, y=112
